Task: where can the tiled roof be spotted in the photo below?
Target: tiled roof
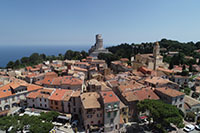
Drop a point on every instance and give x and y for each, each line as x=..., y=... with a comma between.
x=109, y=97
x=139, y=95
x=191, y=101
x=58, y=95
x=89, y=100
x=158, y=80
x=169, y=92
x=5, y=90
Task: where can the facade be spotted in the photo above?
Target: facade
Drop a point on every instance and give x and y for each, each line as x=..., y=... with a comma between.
x=56, y=100
x=171, y=96
x=12, y=94
x=151, y=61
x=192, y=105
x=39, y=99
x=111, y=104
x=92, y=112
x=158, y=82
x=72, y=104
x=98, y=47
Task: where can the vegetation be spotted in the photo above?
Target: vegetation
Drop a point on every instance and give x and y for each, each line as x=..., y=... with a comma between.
x=36, y=124
x=36, y=58
x=187, y=90
x=185, y=49
x=123, y=50
x=162, y=114
x=190, y=116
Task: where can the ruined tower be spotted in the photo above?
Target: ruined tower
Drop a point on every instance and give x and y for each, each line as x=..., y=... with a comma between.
x=156, y=55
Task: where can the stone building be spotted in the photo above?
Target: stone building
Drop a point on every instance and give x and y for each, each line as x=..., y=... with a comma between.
x=98, y=47
x=151, y=61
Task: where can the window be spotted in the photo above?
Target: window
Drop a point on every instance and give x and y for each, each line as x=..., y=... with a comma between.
x=92, y=122
x=56, y=103
x=45, y=100
x=40, y=104
x=111, y=120
x=6, y=100
x=108, y=114
x=45, y=105
x=40, y=99
x=74, y=101
x=97, y=115
x=116, y=127
x=0, y=101
x=13, y=98
x=74, y=109
x=89, y=116
x=115, y=113
x=51, y=102
x=56, y=107
x=180, y=105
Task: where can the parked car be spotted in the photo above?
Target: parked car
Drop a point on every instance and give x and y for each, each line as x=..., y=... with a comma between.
x=74, y=123
x=197, y=127
x=189, y=128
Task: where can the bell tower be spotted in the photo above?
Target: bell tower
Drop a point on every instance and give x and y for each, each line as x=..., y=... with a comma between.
x=156, y=54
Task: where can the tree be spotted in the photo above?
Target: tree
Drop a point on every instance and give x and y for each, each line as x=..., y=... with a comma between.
x=187, y=90
x=190, y=116
x=107, y=57
x=10, y=64
x=49, y=116
x=190, y=68
x=171, y=65
x=69, y=54
x=162, y=114
x=84, y=54
x=183, y=68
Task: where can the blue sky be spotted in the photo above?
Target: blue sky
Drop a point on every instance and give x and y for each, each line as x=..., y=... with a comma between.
x=67, y=22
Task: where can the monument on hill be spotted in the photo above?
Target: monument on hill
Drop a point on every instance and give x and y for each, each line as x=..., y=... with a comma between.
x=98, y=47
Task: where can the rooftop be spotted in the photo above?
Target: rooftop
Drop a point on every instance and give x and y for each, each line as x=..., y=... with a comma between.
x=90, y=100
x=109, y=97
x=169, y=92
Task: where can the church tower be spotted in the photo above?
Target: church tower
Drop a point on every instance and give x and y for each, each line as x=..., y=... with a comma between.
x=156, y=55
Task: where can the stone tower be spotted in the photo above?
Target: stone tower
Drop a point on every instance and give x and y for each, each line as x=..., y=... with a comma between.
x=156, y=55
x=99, y=42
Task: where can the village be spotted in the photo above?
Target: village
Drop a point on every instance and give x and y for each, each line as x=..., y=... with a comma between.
x=91, y=96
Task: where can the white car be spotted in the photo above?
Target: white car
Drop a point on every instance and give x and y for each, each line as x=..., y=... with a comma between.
x=197, y=127
x=189, y=128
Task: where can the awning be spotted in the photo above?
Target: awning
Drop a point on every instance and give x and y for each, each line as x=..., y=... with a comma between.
x=143, y=117
x=63, y=117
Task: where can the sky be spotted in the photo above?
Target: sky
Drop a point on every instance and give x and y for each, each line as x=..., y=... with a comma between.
x=76, y=22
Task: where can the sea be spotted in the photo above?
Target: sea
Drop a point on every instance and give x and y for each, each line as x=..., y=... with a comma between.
x=14, y=52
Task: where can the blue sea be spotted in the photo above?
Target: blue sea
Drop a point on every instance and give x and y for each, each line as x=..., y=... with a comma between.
x=14, y=52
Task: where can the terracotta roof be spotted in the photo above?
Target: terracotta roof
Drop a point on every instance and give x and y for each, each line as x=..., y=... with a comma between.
x=129, y=85
x=68, y=95
x=82, y=63
x=89, y=100
x=191, y=101
x=109, y=97
x=142, y=94
x=158, y=80
x=5, y=90
x=80, y=69
x=51, y=74
x=165, y=70
x=124, y=59
x=76, y=94
x=65, y=80
x=169, y=92
x=71, y=80
x=58, y=95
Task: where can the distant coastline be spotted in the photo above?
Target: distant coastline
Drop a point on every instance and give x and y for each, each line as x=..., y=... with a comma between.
x=14, y=52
